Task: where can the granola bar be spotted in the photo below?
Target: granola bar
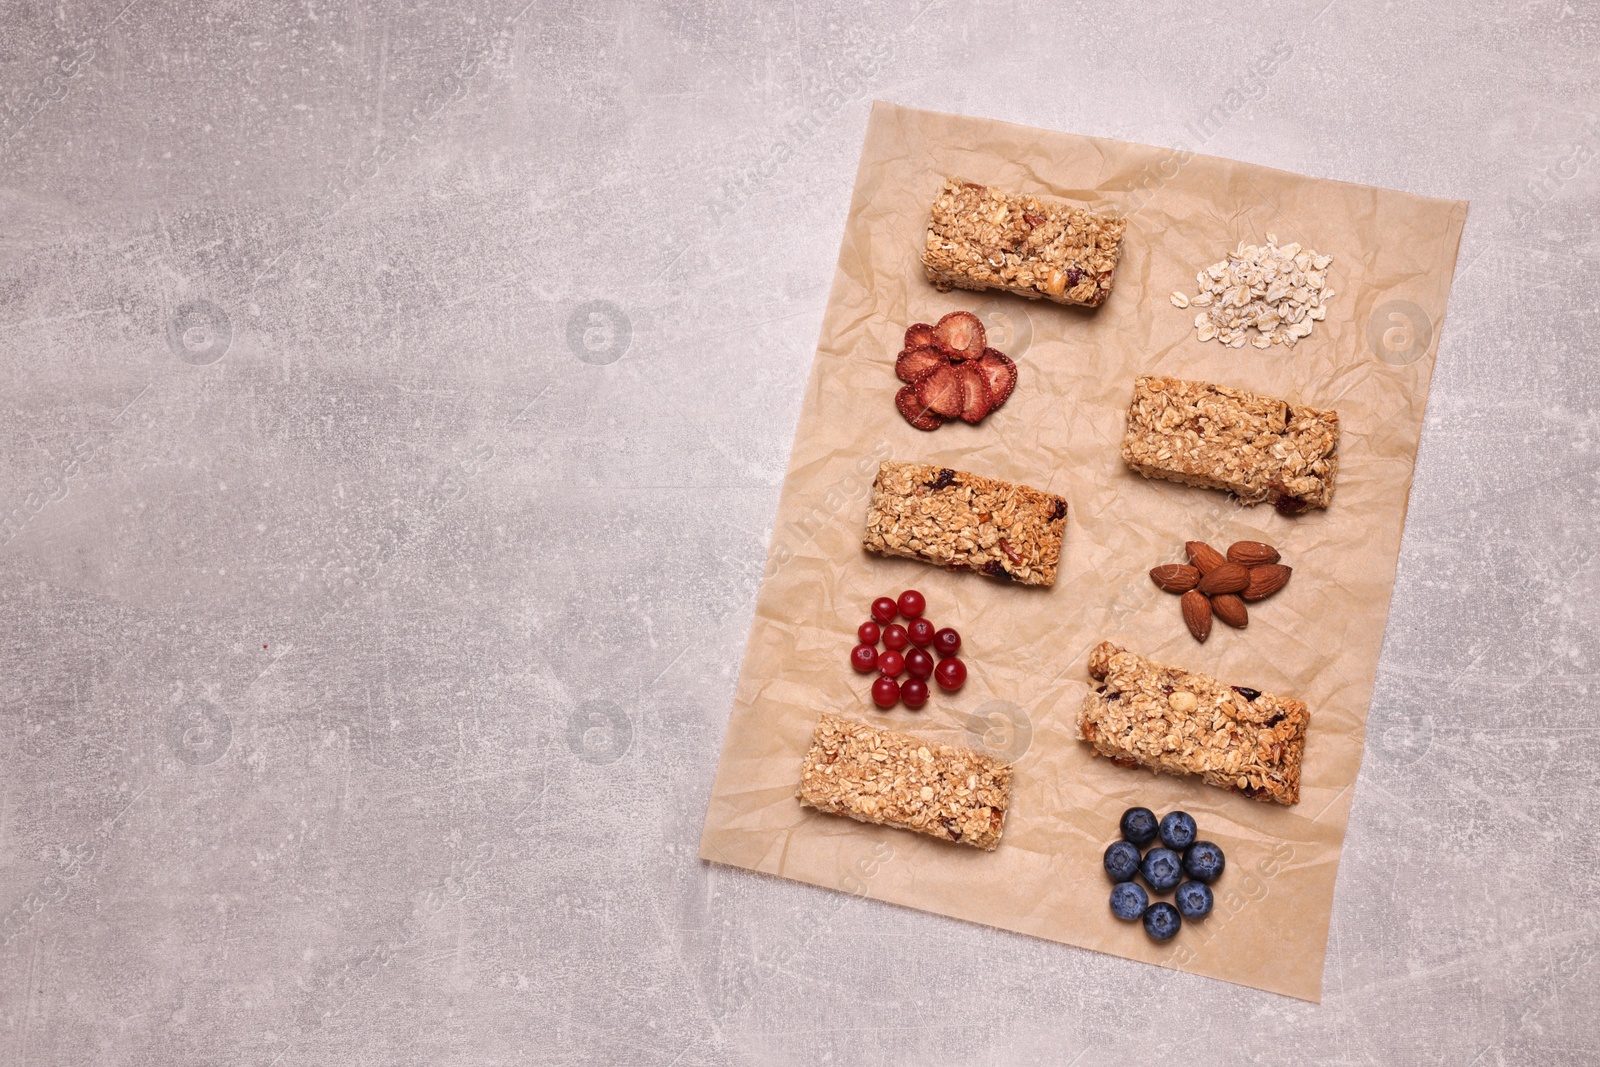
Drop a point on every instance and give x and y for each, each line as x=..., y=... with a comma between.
x=1257, y=448
x=966, y=522
x=1165, y=718
x=891, y=779
x=980, y=237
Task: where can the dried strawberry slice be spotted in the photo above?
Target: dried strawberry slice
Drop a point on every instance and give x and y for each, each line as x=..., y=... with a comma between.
x=940, y=392
x=919, y=335
x=999, y=374
x=975, y=399
x=960, y=335
x=916, y=362
x=913, y=411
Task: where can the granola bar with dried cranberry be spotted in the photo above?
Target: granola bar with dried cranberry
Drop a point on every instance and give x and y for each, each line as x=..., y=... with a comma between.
x=1174, y=721
x=980, y=237
x=1256, y=447
x=965, y=521
x=892, y=779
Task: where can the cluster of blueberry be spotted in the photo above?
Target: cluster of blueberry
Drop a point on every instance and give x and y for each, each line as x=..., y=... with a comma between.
x=1163, y=868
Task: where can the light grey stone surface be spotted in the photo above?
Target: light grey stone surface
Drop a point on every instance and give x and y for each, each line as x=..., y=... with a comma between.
x=395, y=399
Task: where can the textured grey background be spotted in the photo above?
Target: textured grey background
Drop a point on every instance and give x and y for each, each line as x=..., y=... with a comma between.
x=395, y=403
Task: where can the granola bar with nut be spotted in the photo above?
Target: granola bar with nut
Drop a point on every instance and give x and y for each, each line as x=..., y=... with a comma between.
x=965, y=521
x=891, y=779
x=1174, y=721
x=1256, y=447
x=981, y=237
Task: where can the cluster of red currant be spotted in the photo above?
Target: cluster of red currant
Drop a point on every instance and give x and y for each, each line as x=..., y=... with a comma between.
x=895, y=659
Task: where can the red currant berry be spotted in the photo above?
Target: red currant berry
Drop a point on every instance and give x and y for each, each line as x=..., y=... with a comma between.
x=894, y=637
x=890, y=664
x=912, y=604
x=919, y=664
x=921, y=632
x=914, y=691
x=950, y=674
x=864, y=658
x=884, y=609
x=947, y=642
x=885, y=692
x=867, y=633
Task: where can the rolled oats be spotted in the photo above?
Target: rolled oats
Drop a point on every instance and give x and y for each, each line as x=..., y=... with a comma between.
x=1275, y=291
x=878, y=776
x=1175, y=722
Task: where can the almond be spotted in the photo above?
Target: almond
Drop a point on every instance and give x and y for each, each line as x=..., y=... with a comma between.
x=1266, y=580
x=1203, y=556
x=1197, y=614
x=1252, y=553
x=1228, y=578
x=1175, y=577
x=1231, y=610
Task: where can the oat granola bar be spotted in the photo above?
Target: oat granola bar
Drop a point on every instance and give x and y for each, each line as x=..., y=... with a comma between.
x=891, y=779
x=1257, y=448
x=966, y=522
x=1172, y=721
x=980, y=237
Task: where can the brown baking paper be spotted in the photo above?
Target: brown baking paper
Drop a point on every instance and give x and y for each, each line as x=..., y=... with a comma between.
x=1027, y=648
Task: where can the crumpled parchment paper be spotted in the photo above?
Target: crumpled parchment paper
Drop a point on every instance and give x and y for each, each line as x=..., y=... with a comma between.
x=1318, y=639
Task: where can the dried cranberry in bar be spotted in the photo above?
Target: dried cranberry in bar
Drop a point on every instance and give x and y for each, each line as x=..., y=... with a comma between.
x=965, y=521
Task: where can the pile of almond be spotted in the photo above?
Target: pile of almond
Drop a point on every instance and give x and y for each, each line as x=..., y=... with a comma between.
x=1214, y=584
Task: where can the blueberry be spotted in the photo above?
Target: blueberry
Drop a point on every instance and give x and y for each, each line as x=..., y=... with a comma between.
x=1139, y=825
x=1194, y=900
x=1122, y=861
x=1177, y=830
x=1128, y=900
x=1162, y=868
x=1162, y=921
x=1204, y=861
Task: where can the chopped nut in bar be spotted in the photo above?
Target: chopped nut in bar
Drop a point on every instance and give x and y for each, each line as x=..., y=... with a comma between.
x=1173, y=721
x=965, y=521
x=891, y=779
x=980, y=237
x=1256, y=447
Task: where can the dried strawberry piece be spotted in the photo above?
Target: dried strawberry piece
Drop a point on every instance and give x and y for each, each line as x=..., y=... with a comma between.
x=919, y=335
x=916, y=362
x=913, y=411
x=940, y=392
x=1000, y=375
x=975, y=399
x=960, y=335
